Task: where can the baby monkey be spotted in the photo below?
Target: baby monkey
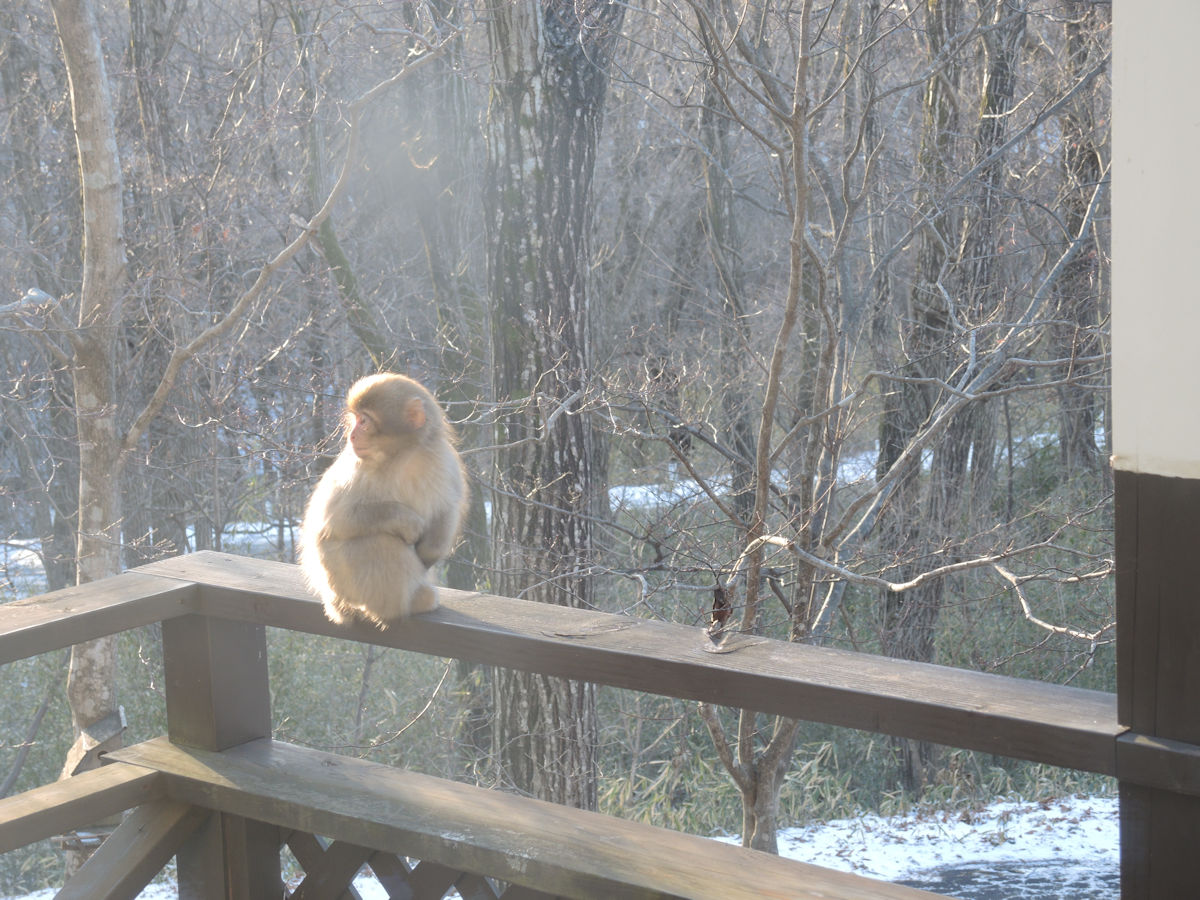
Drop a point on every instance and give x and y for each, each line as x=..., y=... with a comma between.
x=388, y=508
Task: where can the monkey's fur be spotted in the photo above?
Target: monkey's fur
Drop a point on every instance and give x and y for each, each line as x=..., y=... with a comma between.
x=387, y=509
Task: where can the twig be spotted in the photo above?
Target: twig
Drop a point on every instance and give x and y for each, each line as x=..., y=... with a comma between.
x=34, y=724
x=182, y=355
x=1016, y=582
x=899, y=587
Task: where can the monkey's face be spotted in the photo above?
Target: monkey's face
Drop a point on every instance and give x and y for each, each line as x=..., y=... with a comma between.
x=388, y=416
x=361, y=428
x=368, y=441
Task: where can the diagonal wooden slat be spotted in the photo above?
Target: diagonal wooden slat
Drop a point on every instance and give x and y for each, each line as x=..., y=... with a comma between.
x=329, y=867
x=133, y=854
x=434, y=881
x=431, y=880
x=392, y=873
x=74, y=802
x=474, y=887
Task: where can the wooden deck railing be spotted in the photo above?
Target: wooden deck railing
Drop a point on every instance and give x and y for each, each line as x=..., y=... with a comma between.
x=223, y=798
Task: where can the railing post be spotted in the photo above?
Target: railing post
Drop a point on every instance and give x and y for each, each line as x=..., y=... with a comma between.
x=218, y=697
x=1158, y=680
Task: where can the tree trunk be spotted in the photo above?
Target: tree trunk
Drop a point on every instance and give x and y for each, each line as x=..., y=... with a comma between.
x=550, y=64
x=725, y=251
x=1077, y=338
x=91, y=682
x=437, y=180
x=909, y=618
x=759, y=756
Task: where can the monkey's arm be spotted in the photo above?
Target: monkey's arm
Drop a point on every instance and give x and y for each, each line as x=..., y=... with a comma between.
x=377, y=517
x=438, y=539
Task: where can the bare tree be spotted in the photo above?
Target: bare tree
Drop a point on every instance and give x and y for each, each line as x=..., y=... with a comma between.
x=939, y=354
x=550, y=73
x=849, y=355
x=758, y=771
x=94, y=352
x=1078, y=337
x=91, y=682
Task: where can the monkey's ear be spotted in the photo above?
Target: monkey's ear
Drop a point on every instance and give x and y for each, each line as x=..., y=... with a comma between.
x=414, y=414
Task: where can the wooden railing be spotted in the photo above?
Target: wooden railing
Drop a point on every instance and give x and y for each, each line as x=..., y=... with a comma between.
x=222, y=797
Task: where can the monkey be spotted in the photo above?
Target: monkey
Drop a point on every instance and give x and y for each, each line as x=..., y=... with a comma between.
x=387, y=509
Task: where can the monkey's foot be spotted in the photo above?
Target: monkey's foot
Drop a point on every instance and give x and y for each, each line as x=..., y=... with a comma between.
x=424, y=599
x=334, y=613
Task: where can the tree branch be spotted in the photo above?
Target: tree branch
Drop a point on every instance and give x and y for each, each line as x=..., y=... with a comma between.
x=182, y=355
x=724, y=752
x=1017, y=581
x=1001, y=361
x=31, y=733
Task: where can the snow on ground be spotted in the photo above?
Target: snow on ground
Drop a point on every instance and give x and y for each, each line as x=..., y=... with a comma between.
x=1008, y=837
x=1082, y=830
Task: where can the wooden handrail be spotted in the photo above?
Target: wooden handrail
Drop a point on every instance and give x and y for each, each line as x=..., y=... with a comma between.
x=74, y=802
x=1062, y=726
x=214, y=607
x=1055, y=724
x=76, y=614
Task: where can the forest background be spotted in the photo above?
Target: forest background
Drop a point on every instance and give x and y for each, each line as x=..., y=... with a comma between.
x=782, y=318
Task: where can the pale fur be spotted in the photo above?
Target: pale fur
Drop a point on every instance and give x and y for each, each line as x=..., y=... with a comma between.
x=378, y=569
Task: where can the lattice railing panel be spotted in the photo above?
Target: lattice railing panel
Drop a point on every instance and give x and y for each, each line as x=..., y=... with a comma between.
x=330, y=868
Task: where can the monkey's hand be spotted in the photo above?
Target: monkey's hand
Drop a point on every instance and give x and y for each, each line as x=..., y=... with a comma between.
x=438, y=539
x=388, y=517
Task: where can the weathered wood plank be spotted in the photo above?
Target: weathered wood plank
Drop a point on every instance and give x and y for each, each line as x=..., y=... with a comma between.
x=1160, y=832
x=1158, y=677
x=1159, y=763
x=217, y=696
x=1063, y=726
x=215, y=671
x=429, y=879
x=563, y=851
x=251, y=859
x=74, y=802
x=135, y=852
x=474, y=887
x=76, y=614
x=230, y=858
x=1158, y=525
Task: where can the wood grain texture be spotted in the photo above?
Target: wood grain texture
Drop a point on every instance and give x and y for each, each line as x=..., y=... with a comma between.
x=556, y=849
x=133, y=854
x=73, y=615
x=1158, y=674
x=74, y=802
x=1159, y=763
x=328, y=871
x=250, y=858
x=1158, y=616
x=1063, y=726
x=215, y=672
